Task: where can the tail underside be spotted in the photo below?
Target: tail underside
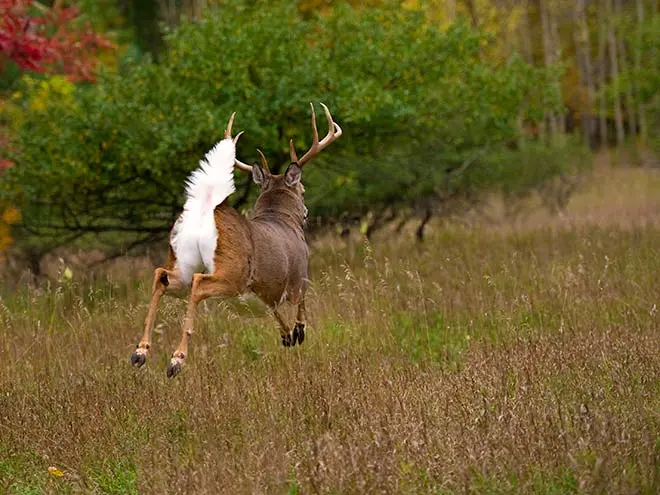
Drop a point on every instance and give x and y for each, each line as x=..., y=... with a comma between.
x=213, y=182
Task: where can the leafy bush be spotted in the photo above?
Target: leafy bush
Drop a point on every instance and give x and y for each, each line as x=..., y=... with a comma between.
x=415, y=103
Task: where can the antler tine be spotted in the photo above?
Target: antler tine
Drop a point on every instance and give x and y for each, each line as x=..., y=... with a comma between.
x=235, y=140
x=237, y=162
x=229, y=125
x=334, y=131
x=292, y=152
x=264, y=162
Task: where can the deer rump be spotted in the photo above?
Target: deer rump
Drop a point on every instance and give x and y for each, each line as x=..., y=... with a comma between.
x=209, y=233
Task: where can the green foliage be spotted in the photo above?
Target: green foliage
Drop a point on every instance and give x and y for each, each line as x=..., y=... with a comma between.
x=116, y=477
x=415, y=103
x=643, y=80
x=429, y=338
x=13, y=472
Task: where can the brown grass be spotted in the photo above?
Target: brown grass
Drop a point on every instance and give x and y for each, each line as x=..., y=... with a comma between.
x=490, y=360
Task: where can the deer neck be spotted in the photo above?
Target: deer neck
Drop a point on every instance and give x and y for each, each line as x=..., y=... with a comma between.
x=287, y=209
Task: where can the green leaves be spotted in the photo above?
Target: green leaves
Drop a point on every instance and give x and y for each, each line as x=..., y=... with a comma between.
x=414, y=101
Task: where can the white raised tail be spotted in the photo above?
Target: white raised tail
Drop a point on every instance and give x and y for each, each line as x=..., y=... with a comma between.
x=195, y=235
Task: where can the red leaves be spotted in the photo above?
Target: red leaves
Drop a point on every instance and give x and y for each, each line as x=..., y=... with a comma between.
x=50, y=42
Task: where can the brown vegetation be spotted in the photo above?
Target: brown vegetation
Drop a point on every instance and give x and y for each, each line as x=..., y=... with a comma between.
x=489, y=360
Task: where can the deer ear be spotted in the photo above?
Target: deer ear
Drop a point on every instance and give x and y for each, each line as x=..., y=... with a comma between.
x=293, y=174
x=258, y=175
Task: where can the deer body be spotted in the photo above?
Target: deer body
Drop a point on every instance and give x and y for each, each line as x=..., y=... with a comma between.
x=217, y=252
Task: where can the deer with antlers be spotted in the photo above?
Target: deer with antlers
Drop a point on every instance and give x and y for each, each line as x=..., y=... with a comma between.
x=217, y=252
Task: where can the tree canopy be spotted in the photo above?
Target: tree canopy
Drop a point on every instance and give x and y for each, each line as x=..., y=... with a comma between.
x=415, y=101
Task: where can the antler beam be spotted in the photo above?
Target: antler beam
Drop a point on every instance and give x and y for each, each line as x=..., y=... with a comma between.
x=334, y=131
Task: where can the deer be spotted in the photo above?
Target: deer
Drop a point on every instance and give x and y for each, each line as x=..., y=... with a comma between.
x=214, y=251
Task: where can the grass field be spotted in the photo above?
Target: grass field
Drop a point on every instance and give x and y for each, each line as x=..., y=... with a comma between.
x=492, y=359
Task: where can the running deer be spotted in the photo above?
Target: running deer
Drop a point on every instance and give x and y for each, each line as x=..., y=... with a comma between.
x=215, y=251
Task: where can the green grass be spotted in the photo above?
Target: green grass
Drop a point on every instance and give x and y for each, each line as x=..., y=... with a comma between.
x=489, y=360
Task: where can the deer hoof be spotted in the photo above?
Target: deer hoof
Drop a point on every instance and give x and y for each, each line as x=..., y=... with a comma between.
x=299, y=333
x=288, y=340
x=174, y=367
x=139, y=357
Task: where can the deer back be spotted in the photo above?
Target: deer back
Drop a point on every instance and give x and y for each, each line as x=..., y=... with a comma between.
x=280, y=252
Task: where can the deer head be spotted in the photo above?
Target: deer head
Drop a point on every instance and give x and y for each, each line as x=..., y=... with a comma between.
x=283, y=193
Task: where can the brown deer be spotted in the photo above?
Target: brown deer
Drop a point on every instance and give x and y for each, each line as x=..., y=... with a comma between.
x=215, y=251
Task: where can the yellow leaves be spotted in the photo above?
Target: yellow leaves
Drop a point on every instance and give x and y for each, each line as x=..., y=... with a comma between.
x=39, y=93
x=44, y=91
x=10, y=216
x=53, y=471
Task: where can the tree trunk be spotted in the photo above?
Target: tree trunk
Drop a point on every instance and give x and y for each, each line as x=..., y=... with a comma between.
x=472, y=9
x=583, y=56
x=450, y=10
x=144, y=14
x=602, y=77
x=419, y=233
x=525, y=34
x=548, y=58
x=630, y=101
x=643, y=127
x=555, y=47
x=614, y=69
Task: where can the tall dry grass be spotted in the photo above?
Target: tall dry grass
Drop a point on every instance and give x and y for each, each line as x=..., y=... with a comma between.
x=489, y=360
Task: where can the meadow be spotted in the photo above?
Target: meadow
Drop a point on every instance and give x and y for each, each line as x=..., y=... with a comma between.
x=492, y=358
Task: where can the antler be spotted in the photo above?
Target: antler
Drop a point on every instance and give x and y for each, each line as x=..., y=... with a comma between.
x=237, y=162
x=334, y=132
x=264, y=162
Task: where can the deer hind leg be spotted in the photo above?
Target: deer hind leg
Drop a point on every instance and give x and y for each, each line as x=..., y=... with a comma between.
x=301, y=317
x=203, y=286
x=164, y=281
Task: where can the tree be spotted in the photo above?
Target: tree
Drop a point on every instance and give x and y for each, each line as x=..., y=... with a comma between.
x=48, y=41
x=419, y=106
x=34, y=38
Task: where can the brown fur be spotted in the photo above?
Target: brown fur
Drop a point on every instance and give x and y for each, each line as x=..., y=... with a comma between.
x=266, y=254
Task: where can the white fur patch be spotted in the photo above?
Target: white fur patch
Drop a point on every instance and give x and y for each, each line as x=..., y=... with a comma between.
x=194, y=236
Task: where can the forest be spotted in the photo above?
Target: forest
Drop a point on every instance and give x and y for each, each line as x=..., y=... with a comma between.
x=107, y=105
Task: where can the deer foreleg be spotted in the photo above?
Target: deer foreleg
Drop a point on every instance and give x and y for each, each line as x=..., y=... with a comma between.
x=290, y=337
x=285, y=333
x=203, y=286
x=164, y=280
